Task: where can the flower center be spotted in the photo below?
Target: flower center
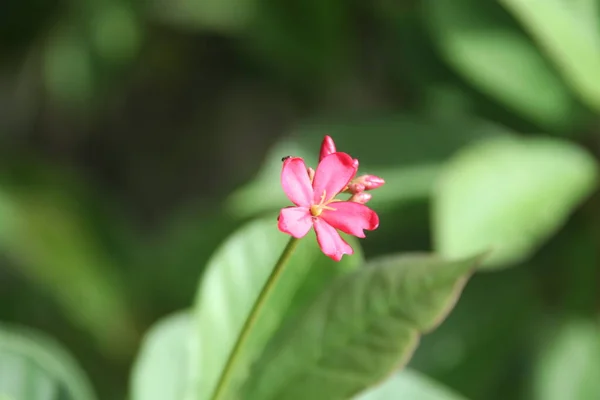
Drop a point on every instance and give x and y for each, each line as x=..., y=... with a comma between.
x=317, y=209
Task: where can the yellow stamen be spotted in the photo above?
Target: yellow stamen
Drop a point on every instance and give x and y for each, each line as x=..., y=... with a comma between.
x=323, y=197
x=316, y=210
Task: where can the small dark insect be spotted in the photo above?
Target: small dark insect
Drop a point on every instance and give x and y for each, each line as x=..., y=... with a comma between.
x=285, y=158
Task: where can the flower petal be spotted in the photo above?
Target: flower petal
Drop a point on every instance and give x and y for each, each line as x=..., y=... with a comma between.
x=295, y=182
x=332, y=175
x=351, y=218
x=330, y=241
x=295, y=221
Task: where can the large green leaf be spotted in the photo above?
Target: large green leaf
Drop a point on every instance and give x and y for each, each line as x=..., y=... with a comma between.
x=35, y=367
x=569, y=34
x=508, y=195
x=499, y=59
x=231, y=284
x=360, y=329
x=409, y=385
x=160, y=371
x=569, y=365
x=406, y=151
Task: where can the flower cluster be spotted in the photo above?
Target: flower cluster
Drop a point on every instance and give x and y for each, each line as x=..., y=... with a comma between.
x=314, y=194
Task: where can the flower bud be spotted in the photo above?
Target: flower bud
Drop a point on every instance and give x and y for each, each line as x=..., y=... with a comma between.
x=355, y=188
x=327, y=147
x=369, y=182
x=311, y=173
x=362, y=197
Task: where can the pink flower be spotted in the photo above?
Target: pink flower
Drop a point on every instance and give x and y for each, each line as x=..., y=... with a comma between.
x=316, y=205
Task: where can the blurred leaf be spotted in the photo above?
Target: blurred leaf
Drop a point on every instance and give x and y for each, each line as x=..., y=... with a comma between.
x=405, y=151
x=509, y=195
x=233, y=279
x=160, y=370
x=479, y=341
x=447, y=100
x=360, y=329
x=68, y=69
x=568, y=38
x=48, y=238
x=576, y=247
x=34, y=367
x=19, y=97
x=218, y=15
x=569, y=365
x=304, y=41
x=409, y=385
x=116, y=32
x=499, y=59
x=179, y=255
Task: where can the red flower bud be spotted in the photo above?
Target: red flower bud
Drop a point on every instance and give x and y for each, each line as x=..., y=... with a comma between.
x=362, y=197
x=327, y=147
x=356, y=187
x=369, y=182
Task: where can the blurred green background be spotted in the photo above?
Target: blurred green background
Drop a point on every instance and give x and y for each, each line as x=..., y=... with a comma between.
x=135, y=136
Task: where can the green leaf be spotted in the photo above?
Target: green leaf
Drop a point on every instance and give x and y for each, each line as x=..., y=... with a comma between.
x=304, y=42
x=482, y=338
x=569, y=365
x=499, y=60
x=160, y=370
x=233, y=279
x=116, y=33
x=360, y=329
x=409, y=385
x=509, y=195
x=48, y=237
x=569, y=38
x=68, y=67
x=178, y=257
x=224, y=16
x=407, y=152
x=35, y=367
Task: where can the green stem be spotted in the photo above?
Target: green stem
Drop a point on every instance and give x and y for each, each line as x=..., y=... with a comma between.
x=253, y=317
